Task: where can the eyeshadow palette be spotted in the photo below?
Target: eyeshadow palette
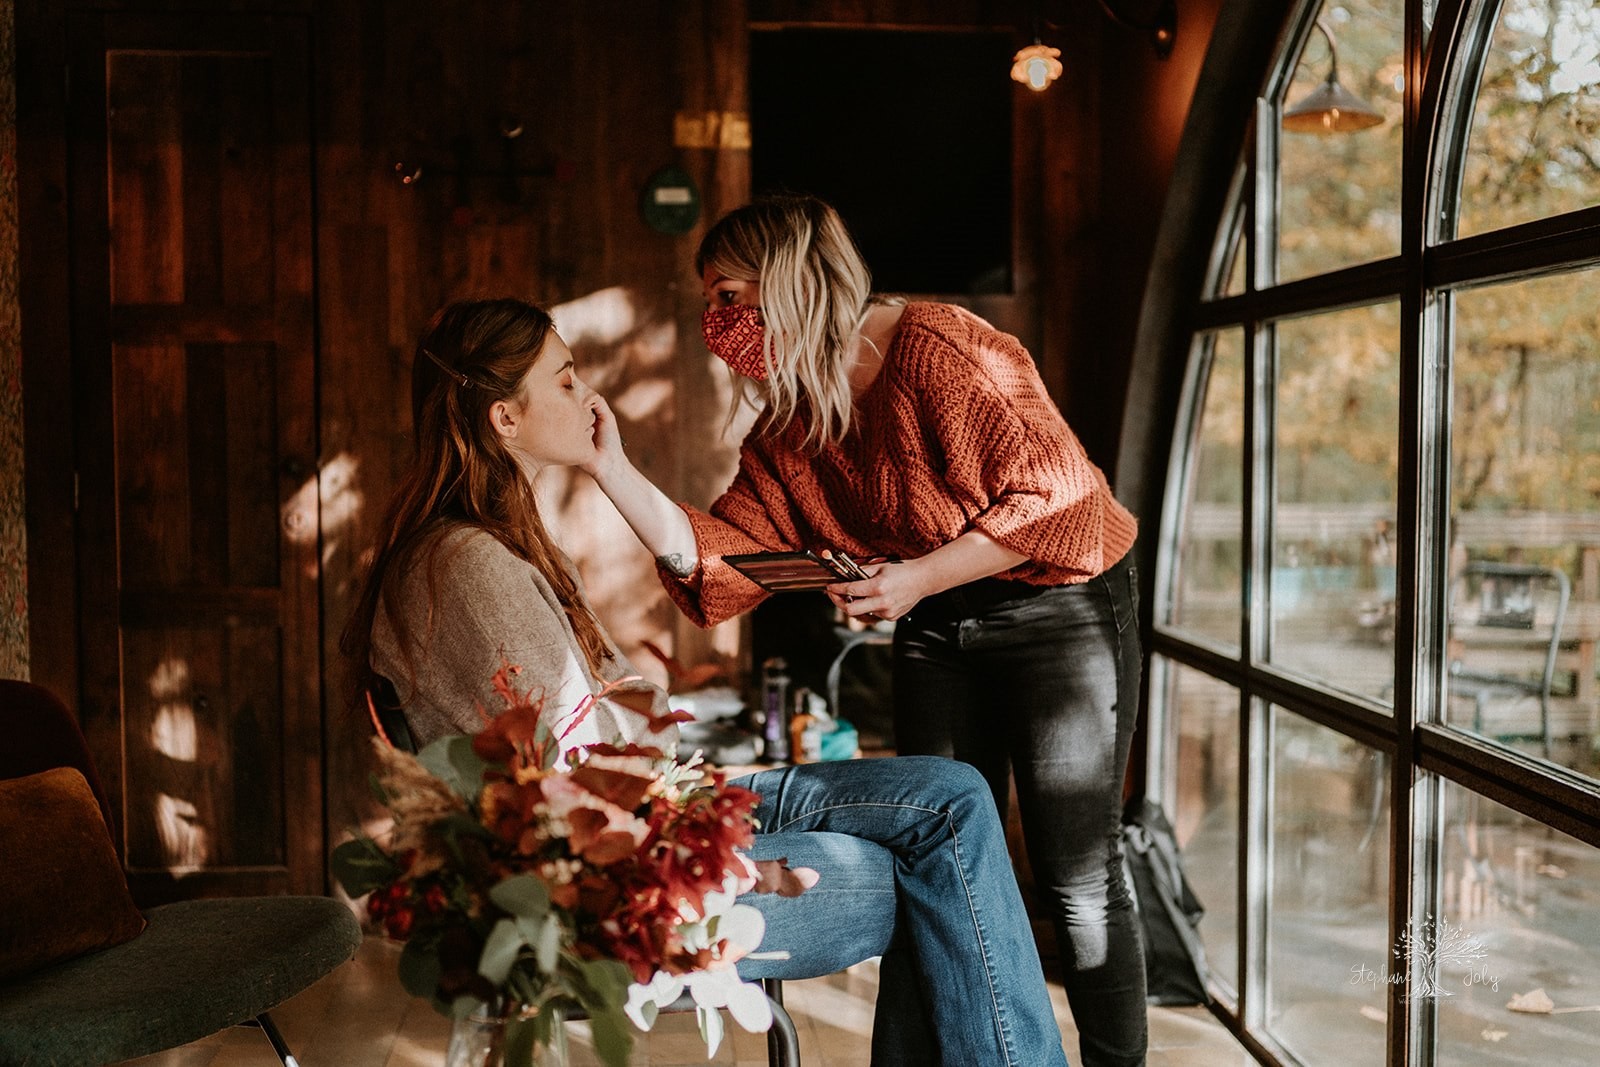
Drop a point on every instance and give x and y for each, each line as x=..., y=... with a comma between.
x=783, y=572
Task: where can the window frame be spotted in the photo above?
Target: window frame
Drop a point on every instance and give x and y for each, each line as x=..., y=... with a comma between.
x=1443, y=64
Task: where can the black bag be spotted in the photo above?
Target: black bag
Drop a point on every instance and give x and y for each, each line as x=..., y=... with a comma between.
x=1169, y=914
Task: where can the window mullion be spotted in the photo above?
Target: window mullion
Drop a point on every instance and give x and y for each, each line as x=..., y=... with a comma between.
x=1422, y=510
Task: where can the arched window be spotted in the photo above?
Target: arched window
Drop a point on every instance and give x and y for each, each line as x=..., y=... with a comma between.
x=1373, y=692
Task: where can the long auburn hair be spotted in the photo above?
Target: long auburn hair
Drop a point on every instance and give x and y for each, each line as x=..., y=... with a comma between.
x=472, y=354
x=815, y=289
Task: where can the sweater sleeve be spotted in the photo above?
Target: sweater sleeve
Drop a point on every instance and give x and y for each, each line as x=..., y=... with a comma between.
x=1013, y=462
x=754, y=514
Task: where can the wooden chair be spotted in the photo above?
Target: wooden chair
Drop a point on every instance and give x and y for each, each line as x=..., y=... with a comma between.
x=1505, y=634
x=198, y=967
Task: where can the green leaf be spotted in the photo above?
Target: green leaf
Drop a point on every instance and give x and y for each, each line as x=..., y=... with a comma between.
x=452, y=761
x=600, y=985
x=521, y=1036
x=613, y=1037
x=419, y=967
x=500, y=951
x=549, y=752
x=523, y=895
x=360, y=866
x=547, y=949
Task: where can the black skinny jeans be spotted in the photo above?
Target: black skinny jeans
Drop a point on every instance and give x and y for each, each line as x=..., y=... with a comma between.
x=1044, y=682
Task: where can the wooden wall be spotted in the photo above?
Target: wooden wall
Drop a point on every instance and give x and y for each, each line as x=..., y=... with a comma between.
x=13, y=536
x=595, y=88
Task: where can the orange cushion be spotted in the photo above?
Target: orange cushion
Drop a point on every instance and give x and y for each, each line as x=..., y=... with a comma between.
x=62, y=892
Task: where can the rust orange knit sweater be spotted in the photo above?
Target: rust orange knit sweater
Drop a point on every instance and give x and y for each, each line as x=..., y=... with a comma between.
x=956, y=433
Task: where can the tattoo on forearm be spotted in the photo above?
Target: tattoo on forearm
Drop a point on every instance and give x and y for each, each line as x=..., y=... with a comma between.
x=677, y=564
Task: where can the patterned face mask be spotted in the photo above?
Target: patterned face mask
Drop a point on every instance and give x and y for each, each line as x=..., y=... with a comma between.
x=733, y=333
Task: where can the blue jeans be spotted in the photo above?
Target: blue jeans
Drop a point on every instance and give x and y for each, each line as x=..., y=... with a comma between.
x=1044, y=682
x=913, y=866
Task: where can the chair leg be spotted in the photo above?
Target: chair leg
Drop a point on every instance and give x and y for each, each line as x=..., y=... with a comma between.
x=783, y=1042
x=281, y=1047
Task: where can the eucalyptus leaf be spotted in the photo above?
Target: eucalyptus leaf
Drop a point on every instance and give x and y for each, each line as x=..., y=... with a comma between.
x=419, y=967
x=613, y=1037
x=541, y=1025
x=609, y=978
x=500, y=951
x=523, y=895
x=452, y=760
x=521, y=1036
x=547, y=949
x=360, y=866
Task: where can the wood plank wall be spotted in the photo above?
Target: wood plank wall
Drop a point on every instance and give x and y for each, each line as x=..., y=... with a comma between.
x=595, y=86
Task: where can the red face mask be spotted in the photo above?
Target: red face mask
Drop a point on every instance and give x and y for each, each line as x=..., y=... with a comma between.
x=733, y=333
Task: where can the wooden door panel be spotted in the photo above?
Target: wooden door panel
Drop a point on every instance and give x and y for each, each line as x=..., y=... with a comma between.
x=200, y=705
x=196, y=428
x=200, y=582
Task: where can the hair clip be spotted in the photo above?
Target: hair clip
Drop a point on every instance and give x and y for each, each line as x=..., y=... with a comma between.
x=459, y=377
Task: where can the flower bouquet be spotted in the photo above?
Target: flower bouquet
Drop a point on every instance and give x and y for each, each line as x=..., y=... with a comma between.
x=526, y=881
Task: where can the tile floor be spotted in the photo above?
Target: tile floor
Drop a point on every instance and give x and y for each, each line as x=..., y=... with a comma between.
x=360, y=1017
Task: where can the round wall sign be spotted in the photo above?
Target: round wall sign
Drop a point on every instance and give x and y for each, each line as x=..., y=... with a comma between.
x=670, y=202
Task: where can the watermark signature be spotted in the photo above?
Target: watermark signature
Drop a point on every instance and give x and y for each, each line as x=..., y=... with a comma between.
x=1423, y=952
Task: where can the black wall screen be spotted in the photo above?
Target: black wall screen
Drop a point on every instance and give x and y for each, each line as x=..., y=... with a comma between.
x=907, y=133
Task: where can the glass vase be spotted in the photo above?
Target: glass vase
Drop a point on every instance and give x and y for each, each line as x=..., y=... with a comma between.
x=482, y=1040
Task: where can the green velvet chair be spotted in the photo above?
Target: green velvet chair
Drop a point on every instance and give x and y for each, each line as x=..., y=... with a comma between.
x=198, y=966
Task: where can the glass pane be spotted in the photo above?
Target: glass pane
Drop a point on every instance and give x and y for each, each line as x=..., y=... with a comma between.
x=1534, y=149
x=1334, y=482
x=1206, y=597
x=1339, y=193
x=1327, y=919
x=1235, y=284
x=1227, y=278
x=1516, y=926
x=1206, y=817
x=1525, y=500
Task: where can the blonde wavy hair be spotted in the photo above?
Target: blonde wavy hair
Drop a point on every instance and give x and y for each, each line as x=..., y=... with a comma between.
x=815, y=290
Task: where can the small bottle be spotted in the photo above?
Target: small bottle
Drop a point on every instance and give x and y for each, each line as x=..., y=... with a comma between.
x=775, y=703
x=805, y=730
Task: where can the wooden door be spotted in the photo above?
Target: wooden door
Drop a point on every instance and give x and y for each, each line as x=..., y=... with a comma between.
x=195, y=440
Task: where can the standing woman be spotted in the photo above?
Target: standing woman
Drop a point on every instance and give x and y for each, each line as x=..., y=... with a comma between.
x=919, y=433
x=910, y=853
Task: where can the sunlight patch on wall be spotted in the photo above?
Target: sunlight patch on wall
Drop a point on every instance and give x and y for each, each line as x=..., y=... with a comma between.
x=170, y=679
x=335, y=495
x=643, y=399
x=603, y=317
x=184, y=841
x=173, y=732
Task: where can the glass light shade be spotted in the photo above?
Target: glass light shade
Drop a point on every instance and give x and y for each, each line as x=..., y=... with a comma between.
x=1036, y=66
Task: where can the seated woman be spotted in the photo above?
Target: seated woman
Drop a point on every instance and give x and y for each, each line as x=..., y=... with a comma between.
x=910, y=852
